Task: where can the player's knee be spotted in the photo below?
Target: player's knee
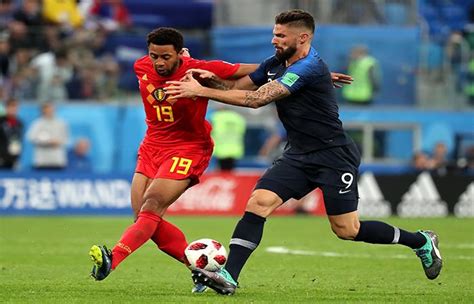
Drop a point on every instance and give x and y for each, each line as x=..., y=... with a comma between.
x=261, y=206
x=150, y=204
x=345, y=231
x=154, y=204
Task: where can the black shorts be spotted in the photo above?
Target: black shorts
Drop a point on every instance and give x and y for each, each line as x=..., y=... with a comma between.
x=333, y=170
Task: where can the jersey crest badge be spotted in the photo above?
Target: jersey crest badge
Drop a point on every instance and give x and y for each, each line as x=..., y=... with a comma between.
x=159, y=94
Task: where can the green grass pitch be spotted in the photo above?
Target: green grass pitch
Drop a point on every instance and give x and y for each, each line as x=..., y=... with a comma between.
x=45, y=260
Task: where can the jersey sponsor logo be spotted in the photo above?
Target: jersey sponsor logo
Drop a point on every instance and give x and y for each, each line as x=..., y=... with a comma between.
x=159, y=94
x=289, y=79
x=270, y=76
x=422, y=199
x=465, y=206
x=372, y=202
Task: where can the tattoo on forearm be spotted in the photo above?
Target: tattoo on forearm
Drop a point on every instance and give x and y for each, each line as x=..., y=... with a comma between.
x=217, y=83
x=265, y=94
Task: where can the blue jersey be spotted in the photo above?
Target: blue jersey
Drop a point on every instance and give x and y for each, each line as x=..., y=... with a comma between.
x=310, y=114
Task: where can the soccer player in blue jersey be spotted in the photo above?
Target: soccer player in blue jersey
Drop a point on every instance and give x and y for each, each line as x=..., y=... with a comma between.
x=318, y=153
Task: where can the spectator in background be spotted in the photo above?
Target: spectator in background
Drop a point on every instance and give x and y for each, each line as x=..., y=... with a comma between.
x=466, y=162
x=4, y=64
x=93, y=78
x=4, y=56
x=439, y=162
x=49, y=136
x=64, y=13
x=54, y=71
x=20, y=80
x=11, y=133
x=366, y=73
x=108, y=80
x=78, y=156
x=22, y=84
x=84, y=84
x=27, y=27
x=111, y=15
x=455, y=53
x=6, y=13
x=228, y=131
x=420, y=161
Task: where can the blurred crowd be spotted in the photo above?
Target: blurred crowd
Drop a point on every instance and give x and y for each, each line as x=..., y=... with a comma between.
x=52, y=50
x=441, y=162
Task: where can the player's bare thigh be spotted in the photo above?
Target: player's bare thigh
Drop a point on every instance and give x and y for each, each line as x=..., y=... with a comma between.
x=345, y=226
x=161, y=193
x=263, y=202
x=139, y=185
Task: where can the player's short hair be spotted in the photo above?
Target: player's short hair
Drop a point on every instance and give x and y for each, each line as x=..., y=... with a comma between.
x=166, y=36
x=296, y=17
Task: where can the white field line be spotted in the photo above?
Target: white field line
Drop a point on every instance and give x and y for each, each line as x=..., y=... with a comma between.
x=285, y=250
x=458, y=246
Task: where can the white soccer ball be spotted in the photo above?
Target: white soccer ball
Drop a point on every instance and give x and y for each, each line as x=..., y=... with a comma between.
x=206, y=254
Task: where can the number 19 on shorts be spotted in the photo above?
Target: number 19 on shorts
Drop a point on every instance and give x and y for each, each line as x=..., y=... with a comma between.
x=181, y=165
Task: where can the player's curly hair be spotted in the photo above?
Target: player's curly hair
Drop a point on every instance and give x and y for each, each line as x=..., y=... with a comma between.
x=166, y=36
x=296, y=17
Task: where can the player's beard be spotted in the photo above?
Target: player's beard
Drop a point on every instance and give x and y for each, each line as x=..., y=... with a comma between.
x=284, y=55
x=168, y=72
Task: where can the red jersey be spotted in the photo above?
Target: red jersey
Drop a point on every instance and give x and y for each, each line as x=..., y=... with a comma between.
x=183, y=121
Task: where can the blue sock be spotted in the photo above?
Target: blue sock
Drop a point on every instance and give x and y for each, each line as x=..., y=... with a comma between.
x=246, y=237
x=376, y=232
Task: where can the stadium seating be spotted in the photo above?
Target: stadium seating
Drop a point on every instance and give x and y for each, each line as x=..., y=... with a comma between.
x=444, y=17
x=193, y=14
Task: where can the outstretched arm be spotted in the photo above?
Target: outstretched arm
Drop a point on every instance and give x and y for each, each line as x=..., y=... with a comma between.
x=190, y=88
x=244, y=70
x=213, y=81
x=239, y=80
x=245, y=83
x=339, y=79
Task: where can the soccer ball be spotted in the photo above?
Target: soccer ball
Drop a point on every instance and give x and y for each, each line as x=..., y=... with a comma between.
x=205, y=254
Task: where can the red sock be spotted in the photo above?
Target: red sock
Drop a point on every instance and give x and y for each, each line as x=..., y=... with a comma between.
x=135, y=236
x=170, y=239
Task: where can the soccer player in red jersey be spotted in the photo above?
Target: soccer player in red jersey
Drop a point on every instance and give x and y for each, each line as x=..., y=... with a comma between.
x=173, y=155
